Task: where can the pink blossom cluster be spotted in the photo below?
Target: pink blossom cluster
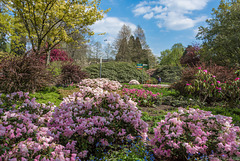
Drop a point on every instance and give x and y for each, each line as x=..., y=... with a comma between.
x=152, y=86
x=24, y=132
x=143, y=97
x=134, y=82
x=96, y=118
x=85, y=123
x=103, y=83
x=193, y=131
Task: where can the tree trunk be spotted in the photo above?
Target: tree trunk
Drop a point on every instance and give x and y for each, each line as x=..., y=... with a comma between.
x=48, y=58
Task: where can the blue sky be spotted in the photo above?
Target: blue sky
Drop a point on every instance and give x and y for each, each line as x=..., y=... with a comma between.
x=165, y=22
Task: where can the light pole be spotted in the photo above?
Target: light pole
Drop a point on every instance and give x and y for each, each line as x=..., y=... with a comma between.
x=100, y=66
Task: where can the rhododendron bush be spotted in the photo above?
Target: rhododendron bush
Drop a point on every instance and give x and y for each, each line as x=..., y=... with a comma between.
x=195, y=134
x=86, y=123
x=23, y=131
x=143, y=97
x=103, y=83
x=208, y=88
x=95, y=118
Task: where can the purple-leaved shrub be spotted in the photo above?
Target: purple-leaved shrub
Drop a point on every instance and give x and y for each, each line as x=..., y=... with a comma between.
x=195, y=134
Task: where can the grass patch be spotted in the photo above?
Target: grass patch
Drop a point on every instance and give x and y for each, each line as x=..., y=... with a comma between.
x=43, y=97
x=53, y=94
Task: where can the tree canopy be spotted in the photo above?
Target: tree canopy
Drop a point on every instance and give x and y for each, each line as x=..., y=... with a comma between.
x=46, y=23
x=172, y=56
x=222, y=37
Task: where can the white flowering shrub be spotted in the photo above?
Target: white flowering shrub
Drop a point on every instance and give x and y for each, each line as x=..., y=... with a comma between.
x=103, y=83
x=196, y=134
x=134, y=82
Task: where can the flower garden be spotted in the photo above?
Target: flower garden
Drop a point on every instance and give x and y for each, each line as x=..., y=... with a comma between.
x=105, y=120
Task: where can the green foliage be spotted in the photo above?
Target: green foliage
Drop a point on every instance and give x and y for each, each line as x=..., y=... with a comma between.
x=46, y=23
x=47, y=97
x=168, y=73
x=152, y=80
x=55, y=69
x=154, y=90
x=119, y=71
x=207, y=88
x=221, y=36
x=172, y=56
x=133, y=49
x=222, y=74
x=135, y=151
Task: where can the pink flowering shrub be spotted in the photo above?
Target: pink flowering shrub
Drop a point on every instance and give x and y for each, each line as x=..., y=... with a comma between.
x=103, y=83
x=134, y=82
x=205, y=86
x=23, y=131
x=88, y=121
x=208, y=88
x=152, y=86
x=143, y=97
x=195, y=133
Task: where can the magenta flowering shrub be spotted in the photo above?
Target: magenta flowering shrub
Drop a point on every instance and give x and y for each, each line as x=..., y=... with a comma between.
x=88, y=121
x=205, y=86
x=195, y=133
x=208, y=88
x=143, y=97
x=23, y=131
x=103, y=83
x=134, y=82
x=152, y=86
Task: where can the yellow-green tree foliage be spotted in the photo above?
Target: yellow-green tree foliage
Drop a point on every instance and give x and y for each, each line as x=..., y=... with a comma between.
x=46, y=23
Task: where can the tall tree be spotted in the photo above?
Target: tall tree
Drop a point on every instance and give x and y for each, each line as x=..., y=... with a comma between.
x=222, y=37
x=123, y=51
x=141, y=35
x=46, y=22
x=124, y=33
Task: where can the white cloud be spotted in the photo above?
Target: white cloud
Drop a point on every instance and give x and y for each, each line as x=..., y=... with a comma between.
x=141, y=10
x=111, y=26
x=171, y=14
x=148, y=16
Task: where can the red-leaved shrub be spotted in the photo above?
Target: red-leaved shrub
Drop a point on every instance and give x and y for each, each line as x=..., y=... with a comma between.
x=57, y=55
x=191, y=56
x=25, y=73
x=72, y=74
